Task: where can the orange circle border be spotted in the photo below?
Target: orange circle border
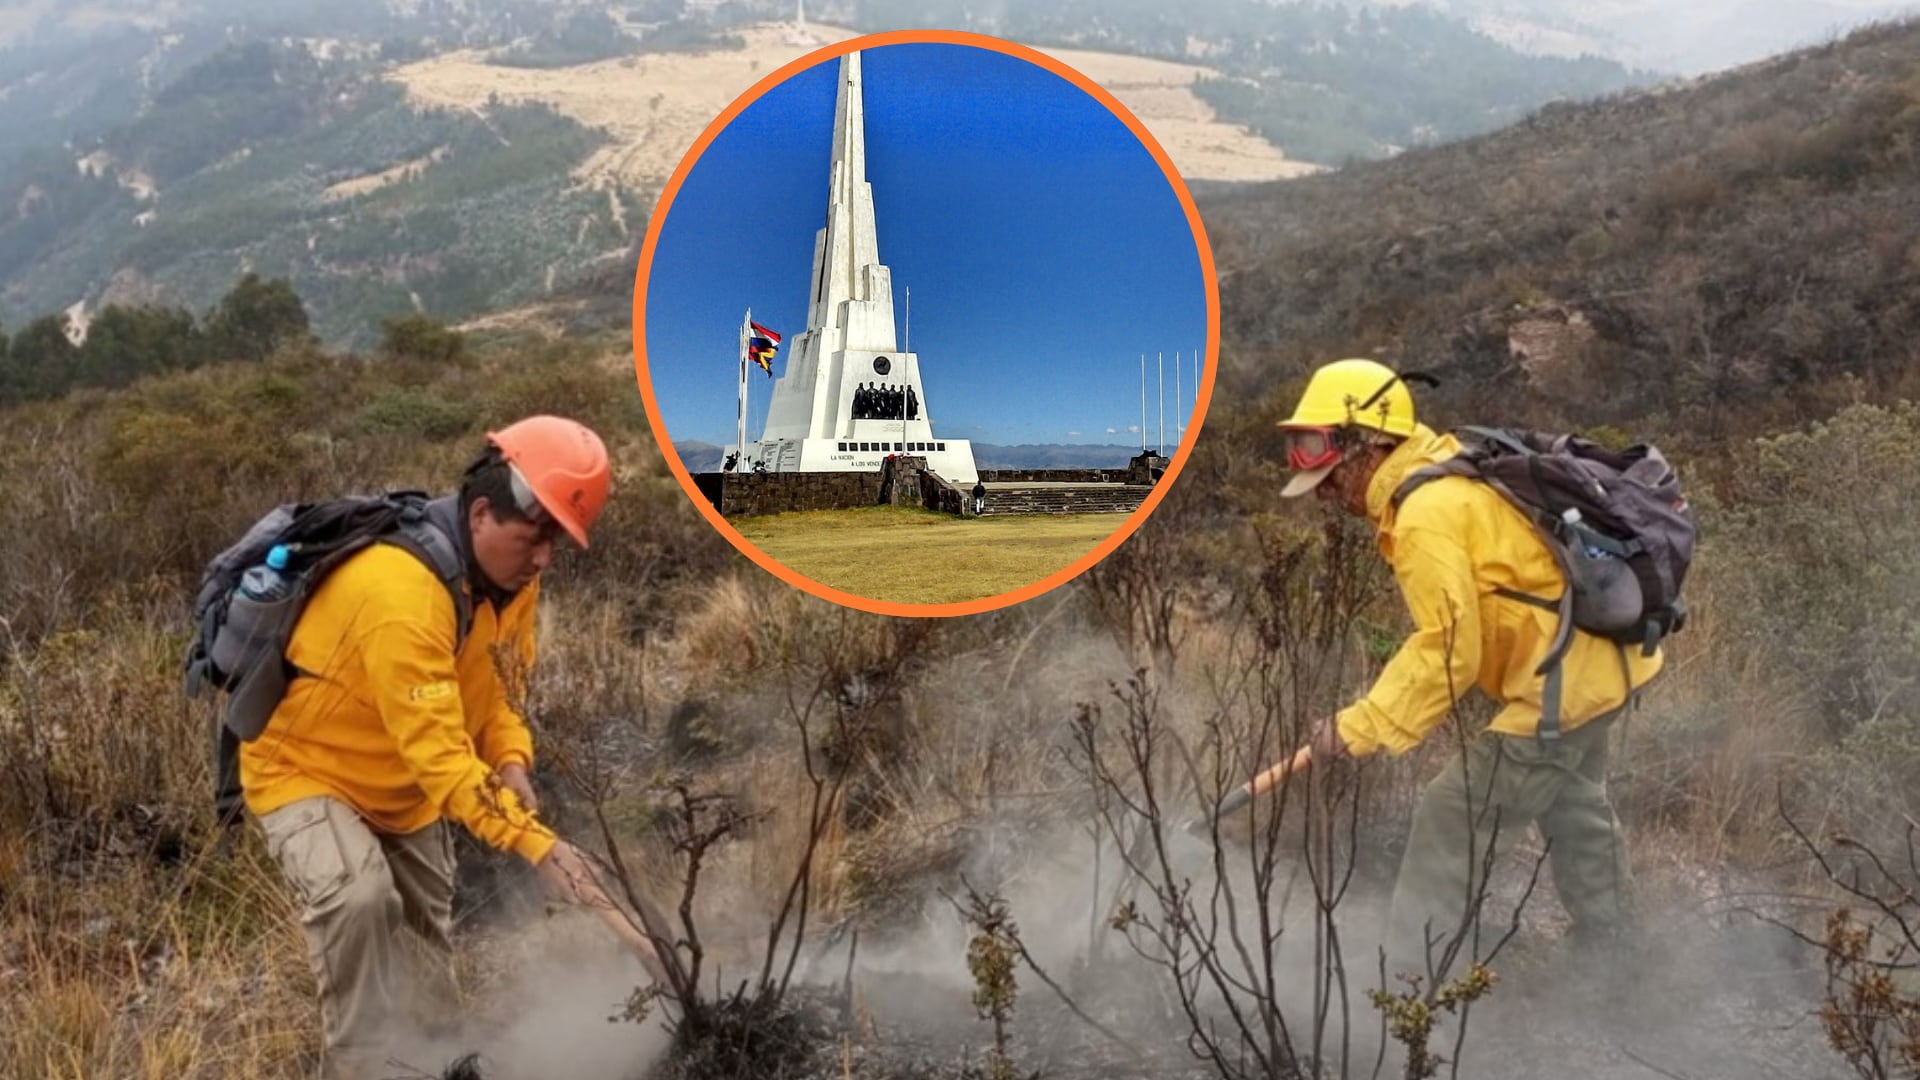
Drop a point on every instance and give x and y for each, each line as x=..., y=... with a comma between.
x=866, y=603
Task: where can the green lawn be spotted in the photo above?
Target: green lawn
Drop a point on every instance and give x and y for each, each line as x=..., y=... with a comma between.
x=914, y=556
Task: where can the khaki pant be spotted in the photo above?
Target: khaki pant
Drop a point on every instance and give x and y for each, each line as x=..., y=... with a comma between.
x=377, y=911
x=1489, y=796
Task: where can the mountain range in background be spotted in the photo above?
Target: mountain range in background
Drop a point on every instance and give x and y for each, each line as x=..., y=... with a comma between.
x=460, y=158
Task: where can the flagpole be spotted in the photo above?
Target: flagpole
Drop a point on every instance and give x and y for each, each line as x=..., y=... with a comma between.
x=741, y=446
x=1196, y=381
x=1179, y=427
x=904, y=378
x=1143, y=403
x=1196, y=378
x=1162, y=427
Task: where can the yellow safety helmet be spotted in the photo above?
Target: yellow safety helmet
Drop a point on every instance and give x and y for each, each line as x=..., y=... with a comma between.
x=1356, y=393
x=1342, y=395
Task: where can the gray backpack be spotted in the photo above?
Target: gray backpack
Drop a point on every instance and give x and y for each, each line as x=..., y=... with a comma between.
x=240, y=642
x=1615, y=521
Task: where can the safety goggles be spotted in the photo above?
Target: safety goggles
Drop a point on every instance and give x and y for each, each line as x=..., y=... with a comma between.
x=524, y=500
x=533, y=509
x=1310, y=448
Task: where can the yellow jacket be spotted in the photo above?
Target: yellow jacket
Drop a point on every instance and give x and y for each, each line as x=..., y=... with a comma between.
x=1451, y=545
x=390, y=720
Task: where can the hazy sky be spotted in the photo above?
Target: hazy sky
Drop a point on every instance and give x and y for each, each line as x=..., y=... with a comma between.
x=1044, y=247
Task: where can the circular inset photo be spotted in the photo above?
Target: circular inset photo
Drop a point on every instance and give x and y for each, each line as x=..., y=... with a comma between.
x=926, y=322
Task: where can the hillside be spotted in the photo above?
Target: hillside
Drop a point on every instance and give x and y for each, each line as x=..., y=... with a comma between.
x=948, y=849
x=467, y=159
x=1324, y=82
x=1706, y=35
x=263, y=158
x=655, y=106
x=1727, y=268
x=1695, y=259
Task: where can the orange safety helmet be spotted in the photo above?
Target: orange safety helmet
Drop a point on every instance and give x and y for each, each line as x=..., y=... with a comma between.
x=560, y=463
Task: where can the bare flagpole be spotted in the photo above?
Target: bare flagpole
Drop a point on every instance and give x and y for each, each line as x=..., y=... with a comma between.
x=1163, y=405
x=1179, y=425
x=1143, y=403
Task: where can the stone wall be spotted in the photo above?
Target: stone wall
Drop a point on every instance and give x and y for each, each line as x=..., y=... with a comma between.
x=1057, y=476
x=750, y=494
x=937, y=494
x=900, y=480
x=1143, y=468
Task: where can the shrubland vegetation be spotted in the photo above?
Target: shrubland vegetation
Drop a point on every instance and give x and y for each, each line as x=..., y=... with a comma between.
x=1724, y=269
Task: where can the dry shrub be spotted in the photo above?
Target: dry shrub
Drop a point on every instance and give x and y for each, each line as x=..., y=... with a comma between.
x=722, y=637
x=1821, y=554
x=92, y=723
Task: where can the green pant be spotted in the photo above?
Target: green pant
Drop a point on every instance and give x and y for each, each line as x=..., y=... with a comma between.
x=1488, y=796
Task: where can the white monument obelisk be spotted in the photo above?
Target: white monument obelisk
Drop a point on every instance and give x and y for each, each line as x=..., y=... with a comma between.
x=849, y=397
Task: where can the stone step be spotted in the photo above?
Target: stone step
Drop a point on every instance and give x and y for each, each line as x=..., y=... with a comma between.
x=1101, y=500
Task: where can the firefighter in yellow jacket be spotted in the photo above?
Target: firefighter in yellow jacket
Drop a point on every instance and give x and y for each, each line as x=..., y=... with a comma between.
x=391, y=734
x=1465, y=559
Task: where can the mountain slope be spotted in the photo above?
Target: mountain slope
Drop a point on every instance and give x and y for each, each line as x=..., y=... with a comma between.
x=1700, y=36
x=654, y=106
x=454, y=159
x=1748, y=244
x=265, y=159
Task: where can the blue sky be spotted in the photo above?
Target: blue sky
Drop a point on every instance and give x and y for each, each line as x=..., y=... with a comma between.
x=1045, y=249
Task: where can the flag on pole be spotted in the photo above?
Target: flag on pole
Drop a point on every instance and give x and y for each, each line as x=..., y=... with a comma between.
x=761, y=346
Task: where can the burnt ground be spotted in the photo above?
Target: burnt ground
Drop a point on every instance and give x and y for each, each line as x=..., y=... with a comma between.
x=1703, y=993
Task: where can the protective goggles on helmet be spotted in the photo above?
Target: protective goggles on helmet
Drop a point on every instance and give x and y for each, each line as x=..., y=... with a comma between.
x=1310, y=448
x=532, y=508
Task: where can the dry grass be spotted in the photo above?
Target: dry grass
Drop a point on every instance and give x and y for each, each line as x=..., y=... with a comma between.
x=117, y=960
x=921, y=557
x=374, y=181
x=137, y=971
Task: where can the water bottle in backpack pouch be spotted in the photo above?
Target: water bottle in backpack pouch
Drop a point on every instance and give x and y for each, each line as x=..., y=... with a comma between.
x=251, y=595
x=259, y=620
x=1607, y=597
x=1615, y=521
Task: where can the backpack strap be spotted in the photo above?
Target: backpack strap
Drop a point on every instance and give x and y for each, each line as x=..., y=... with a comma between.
x=426, y=540
x=1466, y=464
x=1458, y=465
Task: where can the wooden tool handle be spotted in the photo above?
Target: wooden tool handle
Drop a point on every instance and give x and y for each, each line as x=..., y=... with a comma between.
x=1264, y=783
x=1270, y=779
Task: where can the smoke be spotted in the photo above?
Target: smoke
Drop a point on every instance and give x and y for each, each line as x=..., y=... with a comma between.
x=554, y=1009
x=1697, y=991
